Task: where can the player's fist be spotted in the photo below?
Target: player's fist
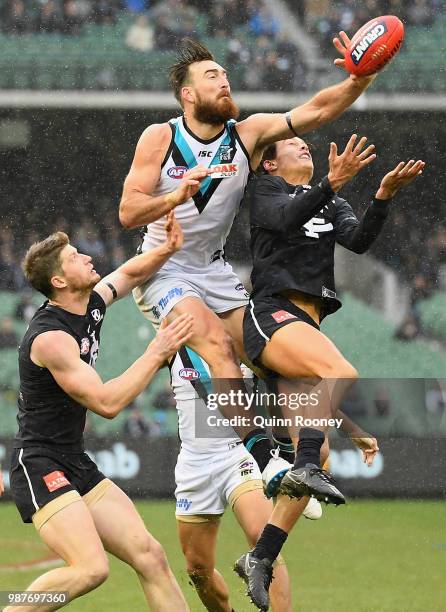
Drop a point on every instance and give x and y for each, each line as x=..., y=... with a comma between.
x=171, y=337
x=189, y=186
x=402, y=175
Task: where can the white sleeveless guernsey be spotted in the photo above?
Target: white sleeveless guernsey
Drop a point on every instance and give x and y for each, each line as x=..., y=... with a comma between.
x=206, y=219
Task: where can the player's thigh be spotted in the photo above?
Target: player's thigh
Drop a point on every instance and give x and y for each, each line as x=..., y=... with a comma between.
x=120, y=526
x=298, y=350
x=252, y=511
x=209, y=333
x=233, y=322
x=198, y=543
x=72, y=534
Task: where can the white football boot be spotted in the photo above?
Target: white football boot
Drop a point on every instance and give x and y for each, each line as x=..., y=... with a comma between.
x=272, y=477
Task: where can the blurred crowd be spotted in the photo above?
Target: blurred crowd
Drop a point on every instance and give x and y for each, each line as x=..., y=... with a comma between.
x=247, y=33
x=107, y=249
x=326, y=17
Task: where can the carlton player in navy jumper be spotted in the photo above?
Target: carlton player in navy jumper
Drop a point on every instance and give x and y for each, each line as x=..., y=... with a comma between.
x=198, y=164
x=294, y=228
x=78, y=512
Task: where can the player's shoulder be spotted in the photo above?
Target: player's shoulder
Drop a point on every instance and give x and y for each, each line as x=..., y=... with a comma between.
x=269, y=182
x=96, y=303
x=157, y=133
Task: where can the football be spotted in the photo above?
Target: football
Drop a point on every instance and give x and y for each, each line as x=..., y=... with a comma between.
x=374, y=45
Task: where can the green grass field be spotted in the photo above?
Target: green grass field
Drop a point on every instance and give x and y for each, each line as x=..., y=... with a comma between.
x=370, y=556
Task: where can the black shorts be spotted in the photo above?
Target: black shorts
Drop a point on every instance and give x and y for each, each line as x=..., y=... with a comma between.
x=38, y=475
x=263, y=317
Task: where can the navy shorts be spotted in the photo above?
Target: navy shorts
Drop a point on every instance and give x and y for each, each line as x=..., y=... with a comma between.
x=263, y=317
x=40, y=474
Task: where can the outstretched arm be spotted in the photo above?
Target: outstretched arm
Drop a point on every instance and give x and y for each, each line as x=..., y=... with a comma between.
x=138, y=269
x=358, y=236
x=260, y=130
x=59, y=353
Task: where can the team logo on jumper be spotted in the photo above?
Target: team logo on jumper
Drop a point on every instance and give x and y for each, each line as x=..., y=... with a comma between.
x=225, y=153
x=85, y=346
x=368, y=39
x=55, y=480
x=96, y=314
x=282, y=315
x=183, y=504
x=176, y=291
x=189, y=374
x=176, y=172
x=224, y=170
x=328, y=293
x=246, y=468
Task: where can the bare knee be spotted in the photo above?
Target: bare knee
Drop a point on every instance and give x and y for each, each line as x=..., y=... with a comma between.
x=339, y=370
x=219, y=346
x=94, y=573
x=200, y=573
x=149, y=557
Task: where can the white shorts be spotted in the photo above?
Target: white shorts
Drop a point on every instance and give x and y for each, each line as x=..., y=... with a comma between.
x=217, y=286
x=208, y=483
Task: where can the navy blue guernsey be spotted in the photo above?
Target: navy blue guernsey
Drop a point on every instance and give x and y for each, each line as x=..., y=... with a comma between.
x=49, y=417
x=294, y=230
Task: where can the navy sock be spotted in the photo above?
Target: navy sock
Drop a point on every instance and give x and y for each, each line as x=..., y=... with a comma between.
x=309, y=447
x=270, y=543
x=286, y=448
x=259, y=445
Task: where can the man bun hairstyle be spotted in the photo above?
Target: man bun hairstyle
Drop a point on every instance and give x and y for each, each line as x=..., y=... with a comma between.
x=42, y=262
x=190, y=52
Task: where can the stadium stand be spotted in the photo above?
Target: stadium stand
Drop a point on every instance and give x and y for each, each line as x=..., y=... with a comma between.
x=118, y=49
x=104, y=45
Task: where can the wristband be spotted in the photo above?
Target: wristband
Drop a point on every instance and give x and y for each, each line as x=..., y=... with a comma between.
x=290, y=125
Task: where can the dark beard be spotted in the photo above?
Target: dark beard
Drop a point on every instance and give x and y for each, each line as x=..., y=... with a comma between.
x=213, y=113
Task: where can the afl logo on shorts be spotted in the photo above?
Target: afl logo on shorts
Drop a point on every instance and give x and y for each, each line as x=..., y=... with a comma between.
x=176, y=172
x=85, y=346
x=189, y=374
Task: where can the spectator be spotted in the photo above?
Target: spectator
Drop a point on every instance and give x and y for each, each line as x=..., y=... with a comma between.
x=25, y=308
x=8, y=337
x=49, y=19
x=263, y=23
x=11, y=275
x=135, y=424
x=165, y=37
x=140, y=35
x=16, y=20
x=136, y=6
x=71, y=18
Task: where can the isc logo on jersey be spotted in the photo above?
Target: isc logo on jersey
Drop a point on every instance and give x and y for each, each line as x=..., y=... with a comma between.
x=177, y=172
x=189, y=374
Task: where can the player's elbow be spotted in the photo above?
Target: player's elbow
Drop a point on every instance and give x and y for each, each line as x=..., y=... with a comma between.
x=125, y=217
